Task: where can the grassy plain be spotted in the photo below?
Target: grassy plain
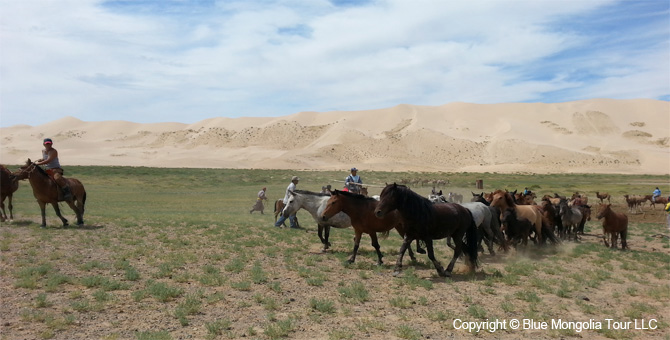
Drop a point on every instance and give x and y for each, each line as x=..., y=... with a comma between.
x=175, y=254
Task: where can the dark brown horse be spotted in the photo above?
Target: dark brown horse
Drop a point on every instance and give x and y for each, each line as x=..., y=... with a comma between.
x=614, y=224
x=426, y=221
x=8, y=185
x=361, y=211
x=516, y=229
x=46, y=190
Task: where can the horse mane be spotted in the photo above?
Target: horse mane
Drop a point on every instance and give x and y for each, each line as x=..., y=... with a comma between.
x=352, y=195
x=509, y=200
x=42, y=171
x=422, y=207
x=307, y=192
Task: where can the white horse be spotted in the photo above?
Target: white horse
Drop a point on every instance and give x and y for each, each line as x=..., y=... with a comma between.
x=571, y=217
x=487, y=223
x=315, y=203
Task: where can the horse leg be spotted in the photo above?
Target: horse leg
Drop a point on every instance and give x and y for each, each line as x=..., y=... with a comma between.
x=324, y=240
x=11, y=208
x=605, y=238
x=406, y=243
x=449, y=243
x=357, y=242
x=615, y=237
x=418, y=248
x=375, y=243
x=57, y=209
x=77, y=212
x=458, y=250
x=488, y=240
x=624, y=245
x=44, y=215
x=3, y=214
x=431, y=256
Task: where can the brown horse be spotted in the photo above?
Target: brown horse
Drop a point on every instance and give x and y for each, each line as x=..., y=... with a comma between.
x=361, y=210
x=46, y=190
x=550, y=215
x=8, y=185
x=614, y=224
x=503, y=200
x=603, y=196
x=279, y=206
x=662, y=200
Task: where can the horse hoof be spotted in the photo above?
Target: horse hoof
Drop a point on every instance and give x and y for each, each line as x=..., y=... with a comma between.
x=420, y=251
x=396, y=273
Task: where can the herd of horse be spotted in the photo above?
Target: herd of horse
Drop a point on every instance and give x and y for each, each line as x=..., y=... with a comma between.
x=500, y=217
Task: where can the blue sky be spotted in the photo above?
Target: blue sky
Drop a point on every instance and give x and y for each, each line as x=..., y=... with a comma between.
x=185, y=61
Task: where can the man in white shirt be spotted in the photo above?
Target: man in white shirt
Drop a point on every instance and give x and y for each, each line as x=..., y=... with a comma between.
x=292, y=219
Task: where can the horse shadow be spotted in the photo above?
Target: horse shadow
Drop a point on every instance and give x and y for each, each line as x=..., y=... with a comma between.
x=17, y=223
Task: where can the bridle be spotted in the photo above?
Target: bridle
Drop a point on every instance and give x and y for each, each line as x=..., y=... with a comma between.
x=28, y=169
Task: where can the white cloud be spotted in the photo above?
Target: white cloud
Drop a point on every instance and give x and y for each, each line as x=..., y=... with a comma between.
x=96, y=61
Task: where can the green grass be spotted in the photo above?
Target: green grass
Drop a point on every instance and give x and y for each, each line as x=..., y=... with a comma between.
x=179, y=244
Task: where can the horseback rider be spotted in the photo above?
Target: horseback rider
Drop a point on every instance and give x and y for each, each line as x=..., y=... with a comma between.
x=50, y=159
x=656, y=193
x=353, y=182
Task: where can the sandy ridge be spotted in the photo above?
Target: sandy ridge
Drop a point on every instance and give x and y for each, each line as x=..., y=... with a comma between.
x=593, y=136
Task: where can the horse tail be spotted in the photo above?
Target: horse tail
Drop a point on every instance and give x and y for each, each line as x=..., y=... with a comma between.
x=83, y=203
x=624, y=244
x=497, y=234
x=472, y=244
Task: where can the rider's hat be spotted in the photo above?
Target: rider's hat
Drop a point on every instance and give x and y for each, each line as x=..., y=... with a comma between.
x=295, y=178
x=354, y=169
x=47, y=141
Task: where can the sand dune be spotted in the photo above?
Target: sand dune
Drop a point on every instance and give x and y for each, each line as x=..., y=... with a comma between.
x=590, y=136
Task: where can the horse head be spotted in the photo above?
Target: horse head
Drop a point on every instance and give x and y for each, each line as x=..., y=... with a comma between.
x=388, y=199
x=290, y=207
x=604, y=208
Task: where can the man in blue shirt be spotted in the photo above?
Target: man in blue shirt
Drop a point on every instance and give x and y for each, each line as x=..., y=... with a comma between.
x=656, y=193
x=353, y=182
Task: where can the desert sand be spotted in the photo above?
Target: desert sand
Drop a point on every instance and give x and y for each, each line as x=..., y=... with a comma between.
x=589, y=136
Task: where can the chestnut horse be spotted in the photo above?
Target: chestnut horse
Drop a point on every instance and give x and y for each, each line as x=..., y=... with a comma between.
x=426, y=221
x=8, y=185
x=46, y=190
x=614, y=224
x=603, y=196
x=361, y=210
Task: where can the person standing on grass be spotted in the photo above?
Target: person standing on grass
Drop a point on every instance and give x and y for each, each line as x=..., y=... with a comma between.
x=259, y=201
x=292, y=219
x=667, y=211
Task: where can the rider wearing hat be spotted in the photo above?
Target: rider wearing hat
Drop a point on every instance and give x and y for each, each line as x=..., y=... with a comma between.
x=353, y=182
x=50, y=159
x=292, y=219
